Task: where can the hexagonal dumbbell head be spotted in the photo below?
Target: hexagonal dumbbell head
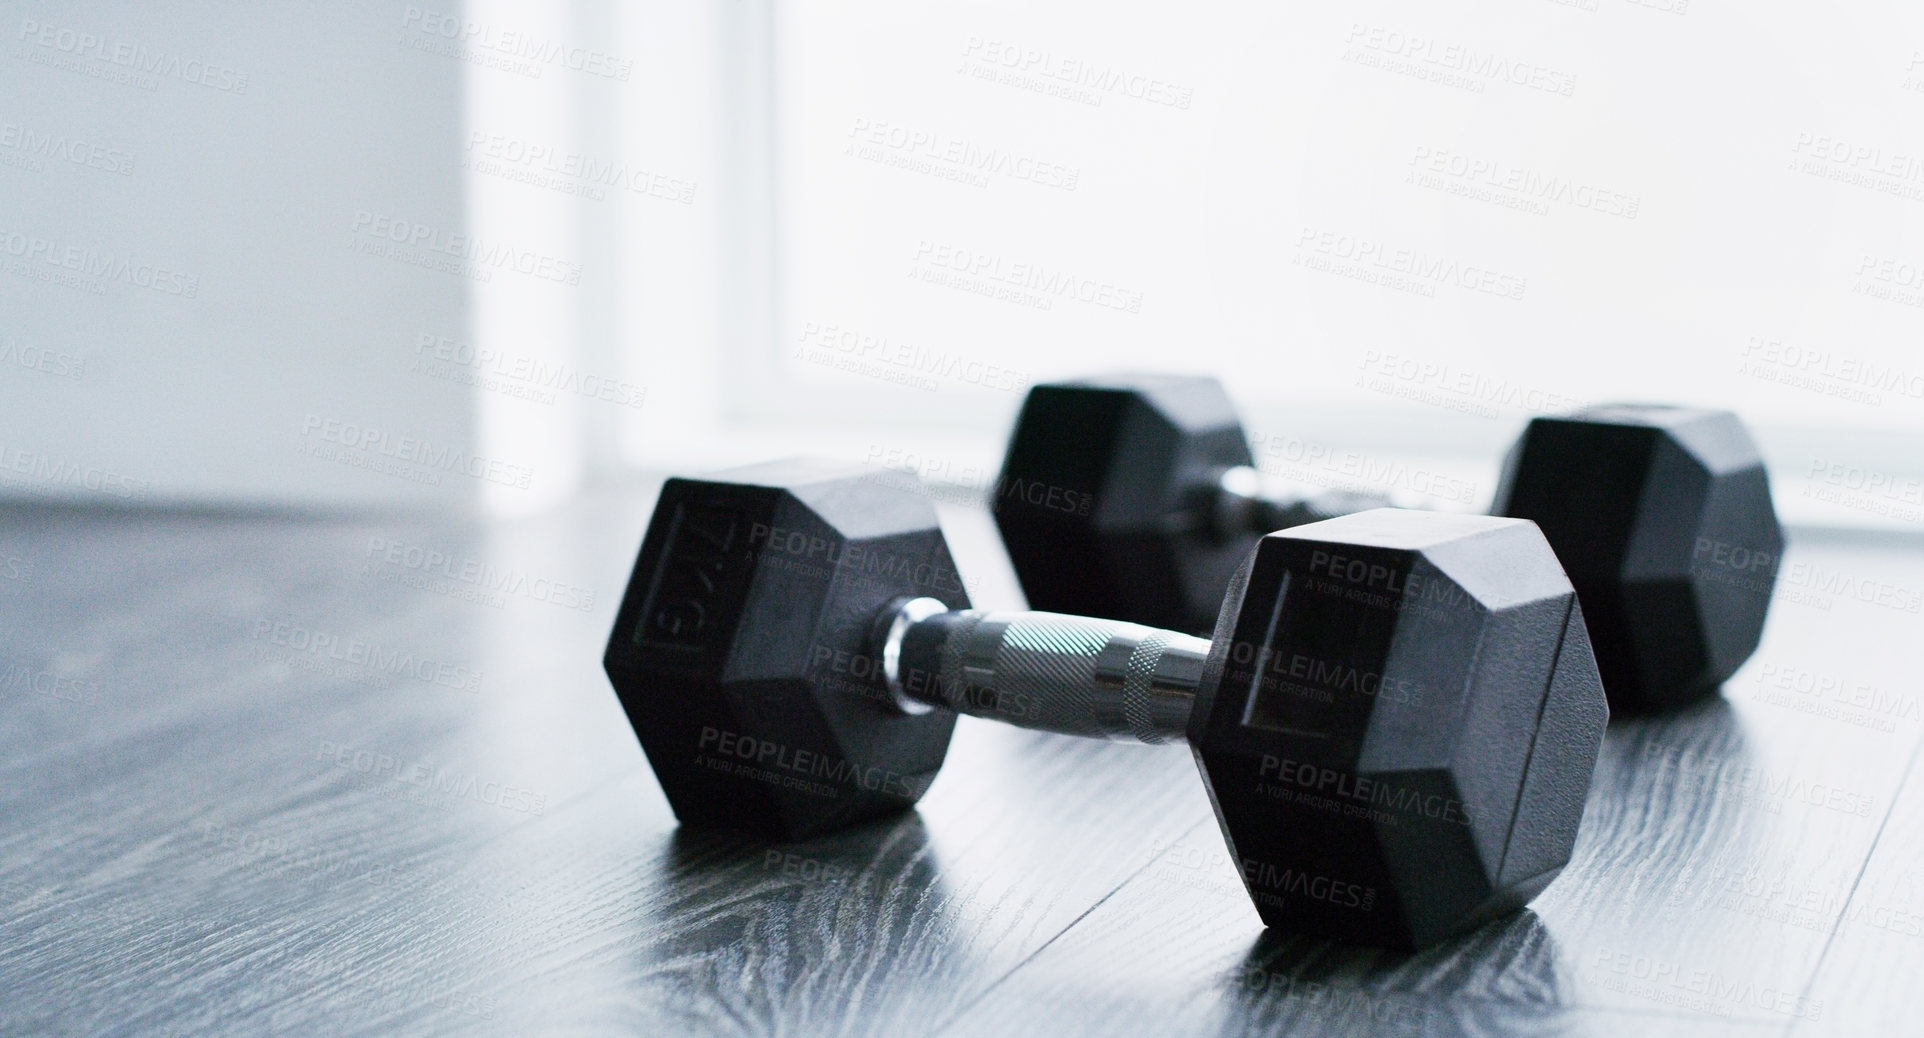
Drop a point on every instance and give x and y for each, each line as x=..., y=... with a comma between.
x=738, y=652
x=1662, y=517
x=1398, y=723
x=1096, y=498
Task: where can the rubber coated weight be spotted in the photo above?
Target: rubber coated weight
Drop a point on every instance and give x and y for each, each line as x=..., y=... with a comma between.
x=1662, y=517
x=1134, y=455
x=740, y=651
x=1403, y=729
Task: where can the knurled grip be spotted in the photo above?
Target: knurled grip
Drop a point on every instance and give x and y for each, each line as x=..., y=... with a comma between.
x=1070, y=674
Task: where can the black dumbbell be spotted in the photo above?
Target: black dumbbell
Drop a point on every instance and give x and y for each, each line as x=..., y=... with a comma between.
x=1397, y=718
x=1135, y=497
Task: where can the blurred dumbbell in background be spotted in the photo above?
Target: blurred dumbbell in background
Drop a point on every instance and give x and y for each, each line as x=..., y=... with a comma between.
x=1136, y=497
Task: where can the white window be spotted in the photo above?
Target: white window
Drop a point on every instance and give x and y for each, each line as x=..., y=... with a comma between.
x=1392, y=227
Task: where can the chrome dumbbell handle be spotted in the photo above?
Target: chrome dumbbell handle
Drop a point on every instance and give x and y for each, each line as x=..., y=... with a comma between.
x=1071, y=674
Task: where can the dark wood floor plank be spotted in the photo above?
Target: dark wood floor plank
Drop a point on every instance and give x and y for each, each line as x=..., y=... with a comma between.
x=885, y=930
x=1877, y=950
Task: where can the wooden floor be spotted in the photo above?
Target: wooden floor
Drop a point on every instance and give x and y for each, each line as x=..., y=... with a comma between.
x=273, y=774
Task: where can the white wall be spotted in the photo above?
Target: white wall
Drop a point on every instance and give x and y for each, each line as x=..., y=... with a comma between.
x=294, y=351
x=247, y=188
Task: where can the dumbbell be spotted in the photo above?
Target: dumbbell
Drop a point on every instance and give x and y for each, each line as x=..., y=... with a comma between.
x=1396, y=719
x=1135, y=497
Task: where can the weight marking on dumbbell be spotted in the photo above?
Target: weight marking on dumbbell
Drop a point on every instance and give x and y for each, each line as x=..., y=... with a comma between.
x=700, y=556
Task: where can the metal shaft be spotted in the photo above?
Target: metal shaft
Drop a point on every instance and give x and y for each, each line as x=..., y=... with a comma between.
x=1070, y=674
x=1249, y=500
